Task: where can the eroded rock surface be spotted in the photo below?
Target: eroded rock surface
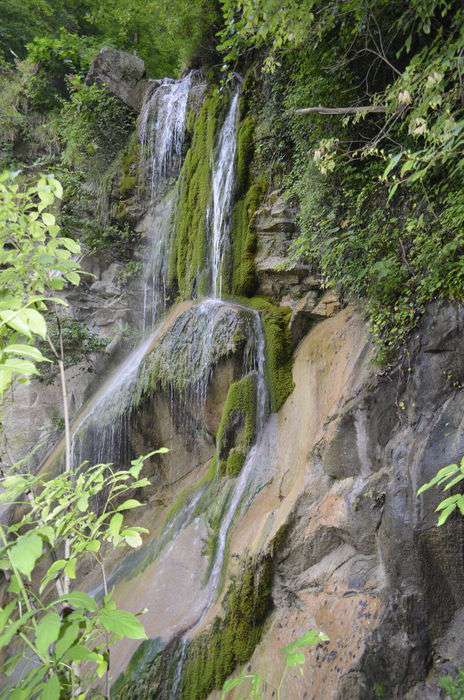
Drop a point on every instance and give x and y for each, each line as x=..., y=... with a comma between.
x=357, y=553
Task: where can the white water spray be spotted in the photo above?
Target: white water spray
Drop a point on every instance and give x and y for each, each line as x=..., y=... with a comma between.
x=162, y=129
x=219, y=212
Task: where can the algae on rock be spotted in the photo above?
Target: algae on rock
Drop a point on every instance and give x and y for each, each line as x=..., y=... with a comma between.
x=237, y=429
x=188, y=259
x=214, y=655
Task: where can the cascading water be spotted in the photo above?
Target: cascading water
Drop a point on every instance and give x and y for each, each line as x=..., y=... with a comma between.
x=222, y=193
x=162, y=134
x=162, y=130
x=102, y=432
x=252, y=463
x=185, y=357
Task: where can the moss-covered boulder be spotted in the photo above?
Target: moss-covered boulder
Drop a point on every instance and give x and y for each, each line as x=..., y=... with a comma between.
x=237, y=429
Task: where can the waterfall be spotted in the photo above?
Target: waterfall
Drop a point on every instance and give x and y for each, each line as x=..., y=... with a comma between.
x=155, y=272
x=102, y=431
x=219, y=212
x=162, y=125
x=162, y=129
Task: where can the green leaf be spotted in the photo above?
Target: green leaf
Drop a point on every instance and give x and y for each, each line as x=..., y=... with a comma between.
x=54, y=569
x=26, y=351
x=67, y=638
x=453, y=482
x=122, y=623
x=36, y=322
x=25, y=552
x=24, y=367
x=12, y=629
x=310, y=638
x=444, y=515
x=447, y=502
x=73, y=277
x=16, y=320
x=51, y=689
x=232, y=683
x=47, y=632
x=70, y=568
x=5, y=614
x=92, y=546
x=10, y=664
x=130, y=503
x=71, y=245
x=79, y=599
x=297, y=658
x=83, y=503
x=393, y=162
x=48, y=219
x=133, y=539
x=441, y=475
x=115, y=524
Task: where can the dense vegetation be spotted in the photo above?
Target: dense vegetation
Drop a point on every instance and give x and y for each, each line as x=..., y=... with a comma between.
x=380, y=188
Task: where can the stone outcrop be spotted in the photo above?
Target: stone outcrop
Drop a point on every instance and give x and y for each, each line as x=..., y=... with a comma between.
x=122, y=73
x=276, y=228
x=356, y=552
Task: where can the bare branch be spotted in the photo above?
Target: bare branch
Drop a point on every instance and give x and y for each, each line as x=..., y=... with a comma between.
x=367, y=109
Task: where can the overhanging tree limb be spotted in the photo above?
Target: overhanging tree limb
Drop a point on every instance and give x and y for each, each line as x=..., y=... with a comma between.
x=367, y=109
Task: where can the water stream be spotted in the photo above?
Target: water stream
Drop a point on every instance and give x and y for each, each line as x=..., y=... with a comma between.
x=223, y=181
x=102, y=430
x=162, y=129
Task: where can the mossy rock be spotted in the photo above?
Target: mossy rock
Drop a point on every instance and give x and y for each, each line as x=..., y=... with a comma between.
x=237, y=429
x=244, y=239
x=214, y=655
x=278, y=348
x=188, y=259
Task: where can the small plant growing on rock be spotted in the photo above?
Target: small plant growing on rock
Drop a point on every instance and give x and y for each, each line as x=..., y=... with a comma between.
x=294, y=658
x=447, y=477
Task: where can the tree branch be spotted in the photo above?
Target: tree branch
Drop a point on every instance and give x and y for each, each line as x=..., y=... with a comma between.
x=367, y=109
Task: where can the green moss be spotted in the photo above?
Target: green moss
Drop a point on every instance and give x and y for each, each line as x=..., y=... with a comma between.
x=245, y=152
x=244, y=239
x=279, y=355
x=130, y=160
x=214, y=655
x=237, y=428
x=187, y=265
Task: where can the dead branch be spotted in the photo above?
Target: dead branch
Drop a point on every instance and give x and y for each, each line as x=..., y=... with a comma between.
x=367, y=109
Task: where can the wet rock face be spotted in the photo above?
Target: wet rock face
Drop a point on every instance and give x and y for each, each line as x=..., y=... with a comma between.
x=359, y=533
x=123, y=74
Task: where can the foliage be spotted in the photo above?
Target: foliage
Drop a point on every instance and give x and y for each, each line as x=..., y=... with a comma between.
x=94, y=127
x=453, y=687
x=451, y=475
x=55, y=58
x=23, y=22
x=77, y=342
x=380, y=193
x=294, y=658
x=34, y=259
x=64, y=631
x=167, y=34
